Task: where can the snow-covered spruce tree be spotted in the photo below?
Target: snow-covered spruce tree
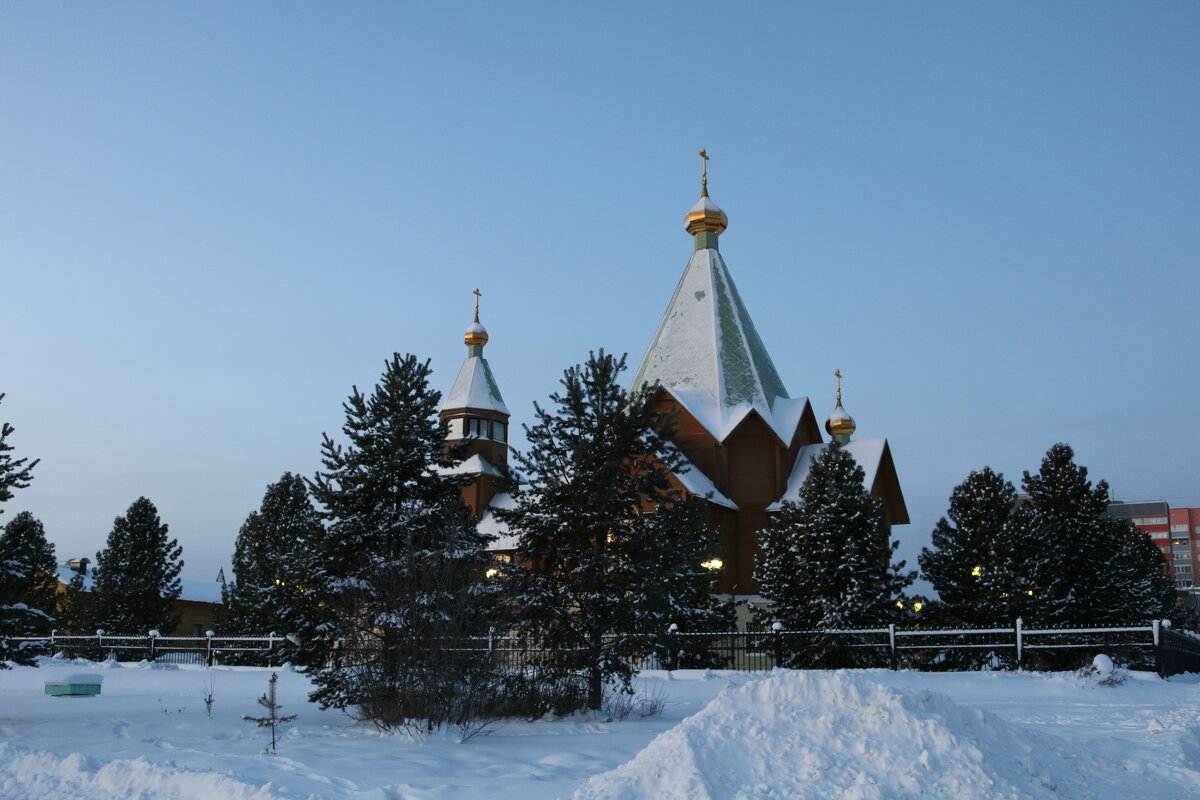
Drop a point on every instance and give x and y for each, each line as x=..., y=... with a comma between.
x=15, y=473
x=398, y=579
x=76, y=609
x=137, y=574
x=269, y=561
x=28, y=585
x=964, y=559
x=825, y=561
x=612, y=550
x=1067, y=563
x=16, y=618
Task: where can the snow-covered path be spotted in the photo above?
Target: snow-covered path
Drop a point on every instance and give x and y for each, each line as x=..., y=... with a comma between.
x=148, y=736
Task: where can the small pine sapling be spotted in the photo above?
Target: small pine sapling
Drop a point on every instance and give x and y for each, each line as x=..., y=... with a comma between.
x=272, y=720
x=210, y=687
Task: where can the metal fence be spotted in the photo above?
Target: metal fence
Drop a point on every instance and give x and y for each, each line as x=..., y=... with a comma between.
x=197, y=650
x=1153, y=647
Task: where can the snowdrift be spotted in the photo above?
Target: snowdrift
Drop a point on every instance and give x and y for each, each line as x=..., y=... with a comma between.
x=818, y=735
x=28, y=774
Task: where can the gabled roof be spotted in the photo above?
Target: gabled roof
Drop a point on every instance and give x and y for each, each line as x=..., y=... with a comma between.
x=697, y=483
x=475, y=387
x=873, y=455
x=783, y=419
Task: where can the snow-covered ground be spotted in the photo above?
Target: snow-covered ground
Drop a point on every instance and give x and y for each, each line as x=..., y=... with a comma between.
x=849, y=734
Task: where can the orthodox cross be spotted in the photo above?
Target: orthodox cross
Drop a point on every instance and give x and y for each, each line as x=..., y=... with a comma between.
x=837, y=373
x=704, y=172
x=477, y=294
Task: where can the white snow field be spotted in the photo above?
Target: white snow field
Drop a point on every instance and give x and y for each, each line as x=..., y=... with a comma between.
x=723, y=735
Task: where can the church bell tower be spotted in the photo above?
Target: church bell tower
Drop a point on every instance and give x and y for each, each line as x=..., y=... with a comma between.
x=474, y=412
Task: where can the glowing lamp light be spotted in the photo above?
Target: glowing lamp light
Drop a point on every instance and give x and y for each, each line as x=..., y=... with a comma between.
x=491, y=573
x=713, y=563
x=899, y=604
x=977, y=571
x=1029, y=592
x=917, y=606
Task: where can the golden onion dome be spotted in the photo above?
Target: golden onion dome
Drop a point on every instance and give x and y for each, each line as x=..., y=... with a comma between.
x=476, y=334
x=840, y=423
x=705, y=216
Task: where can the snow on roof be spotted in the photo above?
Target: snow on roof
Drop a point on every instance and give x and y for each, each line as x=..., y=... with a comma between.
x=867, y=452
x=783, y=418
x=699, y=484
x=492, y=526
x=189, y=588
x=707, y=350
x=475, y=465
x=475, y=387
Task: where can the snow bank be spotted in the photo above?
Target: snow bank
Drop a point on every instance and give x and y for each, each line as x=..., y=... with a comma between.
x=818, y=735
x=26, y=773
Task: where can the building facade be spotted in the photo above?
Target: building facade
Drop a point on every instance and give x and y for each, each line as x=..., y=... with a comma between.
x=1176, y=532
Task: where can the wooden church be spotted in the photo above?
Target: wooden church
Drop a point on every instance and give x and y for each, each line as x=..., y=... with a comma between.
x=747, y=443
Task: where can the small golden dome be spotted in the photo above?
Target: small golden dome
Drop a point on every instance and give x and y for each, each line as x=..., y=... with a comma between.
x=840, y=423
x=705, y=216
x=476, y=334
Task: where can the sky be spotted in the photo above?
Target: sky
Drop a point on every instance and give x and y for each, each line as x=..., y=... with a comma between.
x=218, y=218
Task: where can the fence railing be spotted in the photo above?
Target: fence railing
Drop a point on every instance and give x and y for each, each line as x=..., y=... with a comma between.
x=201, y=650
x=1152, y=646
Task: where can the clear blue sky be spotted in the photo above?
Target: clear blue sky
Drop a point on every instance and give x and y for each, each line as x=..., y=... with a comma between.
x=216, y=218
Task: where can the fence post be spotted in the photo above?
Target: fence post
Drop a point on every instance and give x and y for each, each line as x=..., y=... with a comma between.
x=672, y=646
x=208, y=653
x=777, y=636
x=1156, y=632
x=892, y=646
x=1020, y=644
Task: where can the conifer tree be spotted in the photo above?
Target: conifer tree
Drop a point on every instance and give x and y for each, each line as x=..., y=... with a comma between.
x=1067, y=563
x=612, y=549
x=77, y=614
x=137, y=574
x=962, y=565
x=269, y=561
x=17, y=619
x=397, y=580
x=825, y=561
x=28, y=585
x=15, y=473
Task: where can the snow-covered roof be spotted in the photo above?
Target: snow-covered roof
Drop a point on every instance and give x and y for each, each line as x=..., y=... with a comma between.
x=492, y=526
x=189, y=588
x=709, y=355
x=699, y=484
x=475, y=387
x=475, y=465
x=783, y=418
x=867, y=452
